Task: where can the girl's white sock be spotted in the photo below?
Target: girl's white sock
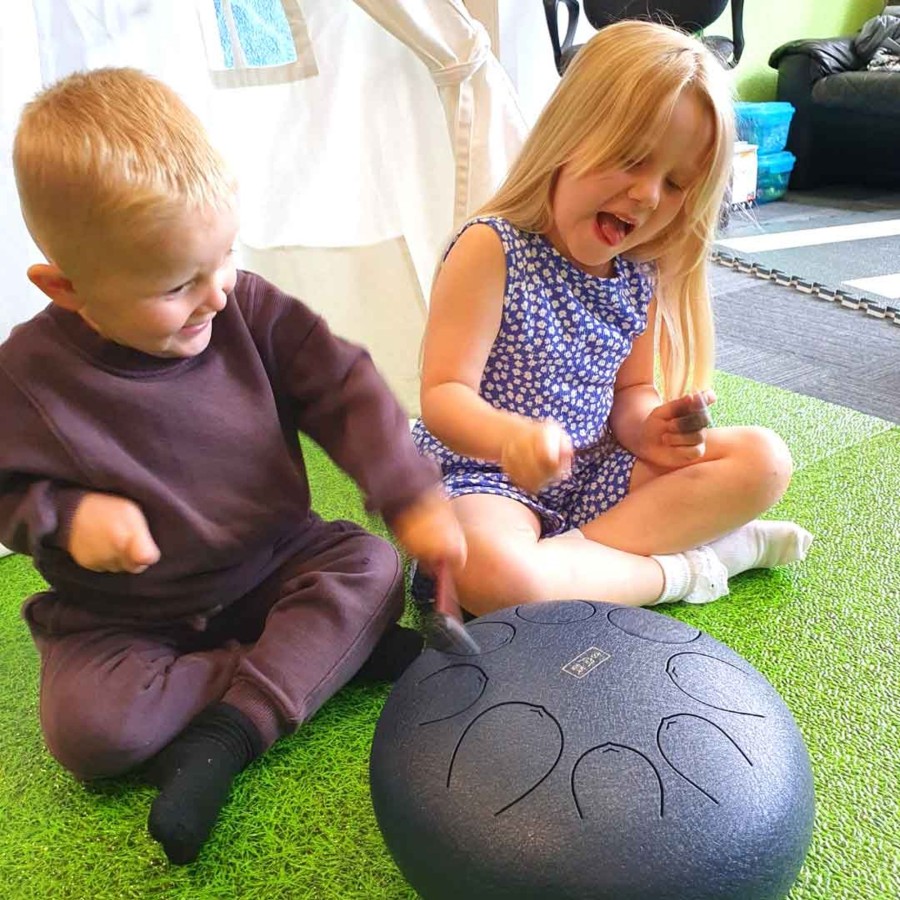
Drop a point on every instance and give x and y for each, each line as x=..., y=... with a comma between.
x=701, y=575
x=695, y=576
x=761, y=544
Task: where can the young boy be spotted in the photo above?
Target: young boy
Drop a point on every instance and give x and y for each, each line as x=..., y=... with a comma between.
x=199, y=610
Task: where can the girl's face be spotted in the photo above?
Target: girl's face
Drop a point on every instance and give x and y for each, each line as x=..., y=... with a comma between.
x=602, y=214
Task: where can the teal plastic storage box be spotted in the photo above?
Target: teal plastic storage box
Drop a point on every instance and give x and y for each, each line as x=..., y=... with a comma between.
x=764, y=124
x=773, y=171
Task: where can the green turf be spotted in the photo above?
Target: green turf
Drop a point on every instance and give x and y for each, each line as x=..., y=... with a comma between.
x=300, y=823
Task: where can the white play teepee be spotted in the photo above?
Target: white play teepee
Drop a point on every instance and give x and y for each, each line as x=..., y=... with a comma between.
x=361, y=133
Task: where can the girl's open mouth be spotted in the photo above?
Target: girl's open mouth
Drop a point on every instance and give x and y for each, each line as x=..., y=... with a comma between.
x=613, y=230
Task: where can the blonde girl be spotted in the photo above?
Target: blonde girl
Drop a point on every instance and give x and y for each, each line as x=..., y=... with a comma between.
x=558, y=309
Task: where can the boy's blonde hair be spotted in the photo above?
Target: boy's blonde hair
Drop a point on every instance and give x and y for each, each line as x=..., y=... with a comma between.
x=614, y=100
x=107, y=156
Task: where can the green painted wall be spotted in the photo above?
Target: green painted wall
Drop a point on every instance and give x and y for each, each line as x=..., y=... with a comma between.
x=770, y=23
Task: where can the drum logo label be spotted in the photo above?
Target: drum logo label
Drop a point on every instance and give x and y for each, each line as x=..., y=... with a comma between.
x=585, y=662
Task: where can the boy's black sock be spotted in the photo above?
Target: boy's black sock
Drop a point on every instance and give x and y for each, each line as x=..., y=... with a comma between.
x=392, y=655
x=422, y=589
x=194, y=774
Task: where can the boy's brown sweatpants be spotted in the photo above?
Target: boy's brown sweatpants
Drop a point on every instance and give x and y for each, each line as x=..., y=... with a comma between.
x=114, y=693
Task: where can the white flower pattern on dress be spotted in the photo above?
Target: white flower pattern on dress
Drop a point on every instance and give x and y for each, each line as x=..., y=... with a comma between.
x=563, y=336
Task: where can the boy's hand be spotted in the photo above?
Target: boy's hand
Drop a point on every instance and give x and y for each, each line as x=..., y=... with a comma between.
x=536, y=454
x=675, y=432
x=110, y=534
x=429, y=531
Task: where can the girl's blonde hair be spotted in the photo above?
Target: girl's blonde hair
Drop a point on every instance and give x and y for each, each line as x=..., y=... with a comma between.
x=614, y=100
x=108, y=153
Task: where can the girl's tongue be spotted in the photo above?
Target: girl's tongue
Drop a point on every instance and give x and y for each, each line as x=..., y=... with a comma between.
x=612, y=228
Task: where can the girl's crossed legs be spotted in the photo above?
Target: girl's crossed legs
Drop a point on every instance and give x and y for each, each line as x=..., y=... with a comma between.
x=666, y=512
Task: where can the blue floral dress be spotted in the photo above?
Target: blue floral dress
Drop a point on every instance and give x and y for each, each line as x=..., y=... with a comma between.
x=563, y=336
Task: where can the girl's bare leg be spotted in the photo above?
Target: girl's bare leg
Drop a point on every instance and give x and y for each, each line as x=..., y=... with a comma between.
x=508, y=563
x=743, y=473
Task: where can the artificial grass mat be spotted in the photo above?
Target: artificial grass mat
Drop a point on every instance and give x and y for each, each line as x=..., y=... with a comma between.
x=300, y=822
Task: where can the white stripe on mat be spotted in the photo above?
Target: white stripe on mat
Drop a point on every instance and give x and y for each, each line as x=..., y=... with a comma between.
x=883, y=285
x=810, y=237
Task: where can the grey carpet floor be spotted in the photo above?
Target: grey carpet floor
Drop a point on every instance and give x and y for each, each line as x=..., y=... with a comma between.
x=838, y=264
x=816, y=209
x=780, y=336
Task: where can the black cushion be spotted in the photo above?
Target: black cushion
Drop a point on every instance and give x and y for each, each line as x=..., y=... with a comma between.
x=846, y=128
x=827, y=56
x=877, y=93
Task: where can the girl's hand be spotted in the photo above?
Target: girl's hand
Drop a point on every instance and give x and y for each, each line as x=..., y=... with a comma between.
x=674, y=433
x=429, y=531
x=536, y=454
x=110, y=534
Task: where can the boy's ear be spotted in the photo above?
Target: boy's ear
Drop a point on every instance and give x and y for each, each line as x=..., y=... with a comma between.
x=50, y=279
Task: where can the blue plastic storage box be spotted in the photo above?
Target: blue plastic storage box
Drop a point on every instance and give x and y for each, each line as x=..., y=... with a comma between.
x=773, y=171
x=764, y=124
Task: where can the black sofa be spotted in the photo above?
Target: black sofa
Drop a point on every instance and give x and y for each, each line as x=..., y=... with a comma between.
x=846, y=128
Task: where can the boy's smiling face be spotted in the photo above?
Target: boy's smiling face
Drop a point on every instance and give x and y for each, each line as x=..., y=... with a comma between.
x=159, y=295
